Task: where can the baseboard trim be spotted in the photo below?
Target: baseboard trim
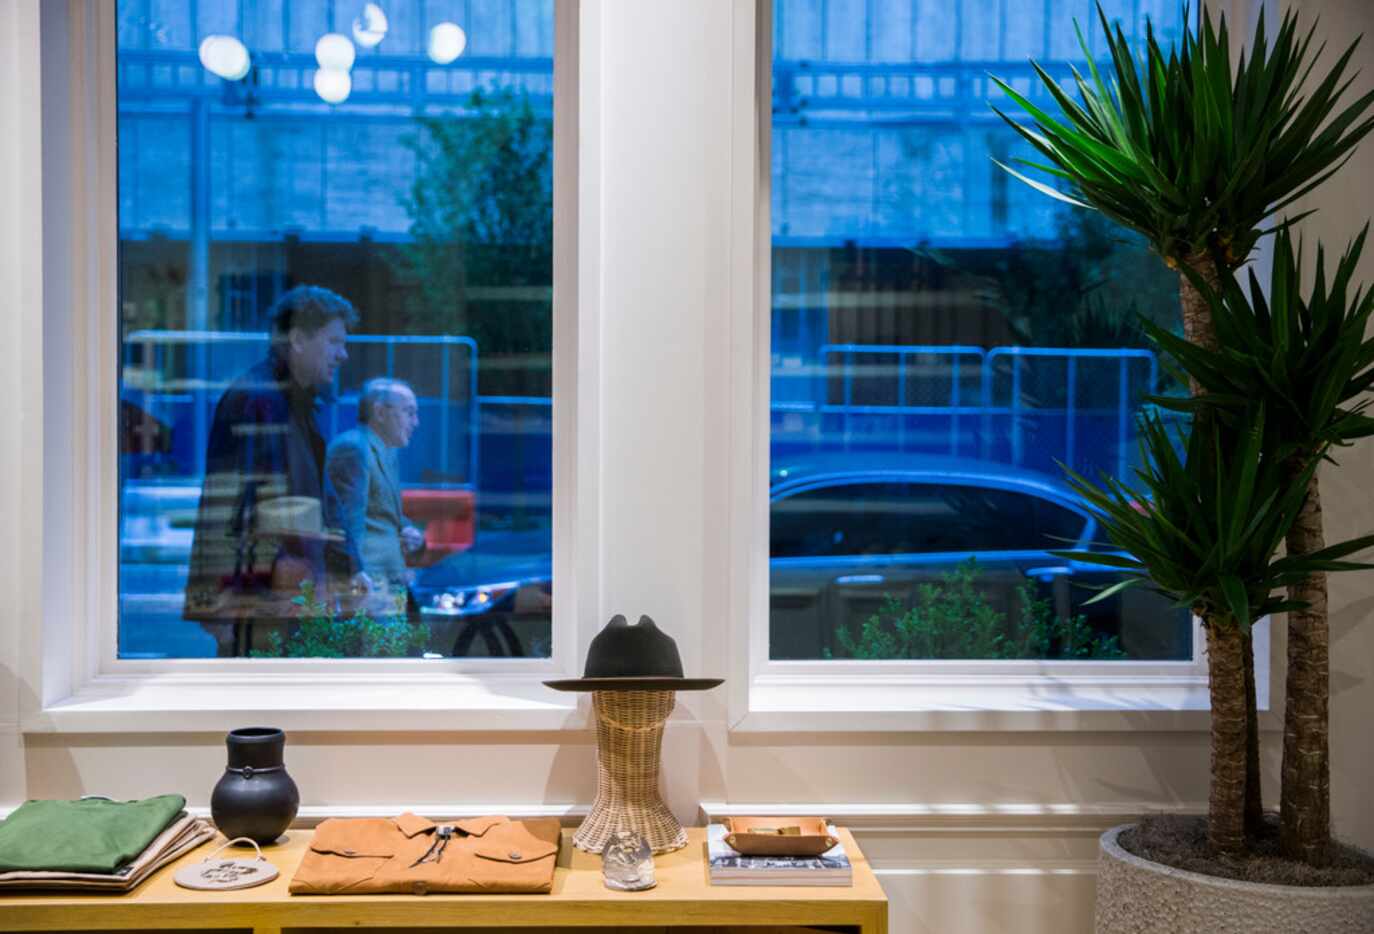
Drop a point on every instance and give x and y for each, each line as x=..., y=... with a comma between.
x=986, y=867
x=914, y=818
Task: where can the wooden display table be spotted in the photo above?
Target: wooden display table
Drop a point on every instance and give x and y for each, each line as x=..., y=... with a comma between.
x=684, y=898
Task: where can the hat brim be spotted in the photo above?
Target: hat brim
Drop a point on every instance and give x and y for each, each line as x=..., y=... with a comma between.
x=635, y=684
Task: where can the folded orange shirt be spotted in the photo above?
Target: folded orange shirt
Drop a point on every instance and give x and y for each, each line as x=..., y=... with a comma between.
x=382, y=855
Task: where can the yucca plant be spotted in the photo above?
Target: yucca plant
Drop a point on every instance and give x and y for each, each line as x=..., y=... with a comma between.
x=1195, y=151
x=1191, y=149
x=1306, y=356
x=1308, y=359
x=1202, y=528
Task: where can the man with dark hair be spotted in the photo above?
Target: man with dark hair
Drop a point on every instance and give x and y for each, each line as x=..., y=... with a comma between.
x=259, y=533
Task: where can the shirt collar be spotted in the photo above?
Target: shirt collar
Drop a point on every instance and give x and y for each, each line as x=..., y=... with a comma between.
x=412, y=825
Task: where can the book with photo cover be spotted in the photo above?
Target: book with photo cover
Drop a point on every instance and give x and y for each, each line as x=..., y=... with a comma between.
x=729, y=867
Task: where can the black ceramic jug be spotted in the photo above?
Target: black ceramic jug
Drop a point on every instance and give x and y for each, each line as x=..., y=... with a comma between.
x=255, y=798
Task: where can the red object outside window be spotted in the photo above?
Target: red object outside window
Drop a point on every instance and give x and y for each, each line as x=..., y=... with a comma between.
x=447, y=517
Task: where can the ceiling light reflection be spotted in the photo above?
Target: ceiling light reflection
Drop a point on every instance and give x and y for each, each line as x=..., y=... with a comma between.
x=334, y=51
x=224, y=56
x=446, y=42
x=370, y=27
x=333, y=85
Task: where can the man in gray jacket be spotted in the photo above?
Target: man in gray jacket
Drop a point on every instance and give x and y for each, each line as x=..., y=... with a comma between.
x=363, y=486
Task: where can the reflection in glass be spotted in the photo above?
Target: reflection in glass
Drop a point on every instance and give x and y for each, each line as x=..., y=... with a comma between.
x=943, y=338
x=335, y=311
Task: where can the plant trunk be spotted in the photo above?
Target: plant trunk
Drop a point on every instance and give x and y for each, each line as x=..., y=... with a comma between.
x=1199, y=330
x=1305, y=798
x=1254, y=803
x=1197, y=314
x=1226, y=683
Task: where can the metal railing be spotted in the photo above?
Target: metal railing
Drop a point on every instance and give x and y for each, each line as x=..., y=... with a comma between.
x=1026, y=406
x=153, y=374
x=960, y=361
x=410, y=81
x=926, y=91
x=1125, y=400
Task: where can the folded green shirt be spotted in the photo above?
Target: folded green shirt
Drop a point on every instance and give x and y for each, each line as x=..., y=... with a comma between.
x=90, y=835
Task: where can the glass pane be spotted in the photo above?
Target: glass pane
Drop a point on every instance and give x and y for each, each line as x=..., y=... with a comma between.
x=335, y=258
x=917, y=518
x=943, y=338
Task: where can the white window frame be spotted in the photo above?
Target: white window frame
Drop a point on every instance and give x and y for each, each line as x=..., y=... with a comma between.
x=66, y=465
x=768, y=695
x=68, y=639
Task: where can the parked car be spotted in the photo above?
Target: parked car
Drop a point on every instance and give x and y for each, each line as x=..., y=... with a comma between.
x=847, y=531
x=489, y=577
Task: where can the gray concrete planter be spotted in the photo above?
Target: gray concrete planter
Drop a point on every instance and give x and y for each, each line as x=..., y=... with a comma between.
x=1136, y=896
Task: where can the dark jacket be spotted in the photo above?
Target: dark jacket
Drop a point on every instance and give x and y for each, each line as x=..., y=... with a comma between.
x=362, y=497
x=265, y=441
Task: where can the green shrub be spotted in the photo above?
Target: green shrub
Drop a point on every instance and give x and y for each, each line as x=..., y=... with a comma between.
x=952, y=619
x=321, y=633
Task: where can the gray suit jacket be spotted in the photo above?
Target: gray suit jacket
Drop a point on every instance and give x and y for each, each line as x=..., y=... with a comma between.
x=363, y=498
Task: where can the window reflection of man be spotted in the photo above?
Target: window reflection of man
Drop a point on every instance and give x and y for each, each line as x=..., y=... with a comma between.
x=363, y=486
x=259, y=531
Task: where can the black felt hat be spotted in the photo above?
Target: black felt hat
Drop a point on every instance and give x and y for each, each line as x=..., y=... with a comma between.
x=633, y=657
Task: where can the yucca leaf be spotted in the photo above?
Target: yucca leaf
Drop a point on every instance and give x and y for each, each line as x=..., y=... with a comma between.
x=1332, y=552
x=1107, y=559
x=1042, y=187
x=1194, y=152
x=1112, y=590
x=1285, y=224
x=1237, y=600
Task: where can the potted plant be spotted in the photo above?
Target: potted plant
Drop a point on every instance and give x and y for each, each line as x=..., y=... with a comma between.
x=1196, y=152
x=1204, y=526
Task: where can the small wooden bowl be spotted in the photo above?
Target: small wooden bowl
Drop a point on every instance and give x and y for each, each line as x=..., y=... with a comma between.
x=761, y=836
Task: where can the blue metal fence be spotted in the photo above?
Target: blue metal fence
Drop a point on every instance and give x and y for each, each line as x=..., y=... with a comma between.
x=1029, y=407
x=177, y=378
x=1074, y=406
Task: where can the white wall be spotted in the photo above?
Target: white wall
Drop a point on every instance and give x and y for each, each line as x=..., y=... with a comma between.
x=970, y=831
x=20, y=291
x=1343, y=207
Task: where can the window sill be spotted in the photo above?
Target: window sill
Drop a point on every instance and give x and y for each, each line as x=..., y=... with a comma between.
x=183, y=703
x=971, y=702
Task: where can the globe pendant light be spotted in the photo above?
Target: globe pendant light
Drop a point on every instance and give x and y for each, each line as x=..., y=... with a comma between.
x=370, y=28
x=224, y=56
x=333, y=85
x=334, y=51
x=446, y=42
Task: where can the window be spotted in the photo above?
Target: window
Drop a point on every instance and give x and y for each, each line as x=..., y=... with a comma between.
x=335, y=312
x=943, y=337
x=633, y=470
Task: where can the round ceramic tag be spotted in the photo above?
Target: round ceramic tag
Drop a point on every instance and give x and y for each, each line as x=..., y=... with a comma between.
x=222, y=875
